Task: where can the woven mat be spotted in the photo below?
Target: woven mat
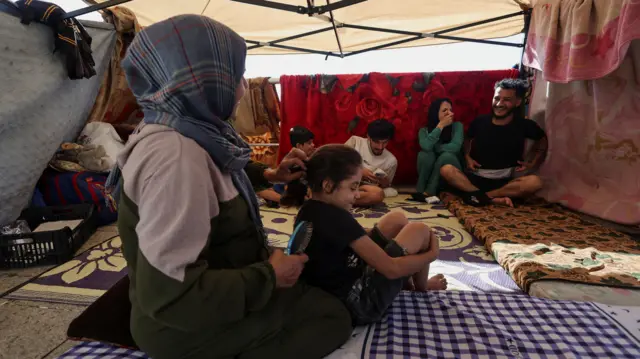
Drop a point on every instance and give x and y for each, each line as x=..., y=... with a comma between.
x=540, y=241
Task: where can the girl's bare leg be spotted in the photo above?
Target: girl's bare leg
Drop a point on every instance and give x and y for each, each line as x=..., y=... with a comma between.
x=415, y=237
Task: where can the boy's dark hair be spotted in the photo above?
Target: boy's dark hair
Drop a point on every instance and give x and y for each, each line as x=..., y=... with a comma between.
x=380, y=130
x=520, y=86
x=298, y=135
x=333, y=162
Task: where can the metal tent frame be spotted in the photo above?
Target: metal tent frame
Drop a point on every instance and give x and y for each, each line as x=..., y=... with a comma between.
x=312, y=10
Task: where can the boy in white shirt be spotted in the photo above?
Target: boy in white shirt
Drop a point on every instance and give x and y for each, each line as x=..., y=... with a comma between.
x=380, y=165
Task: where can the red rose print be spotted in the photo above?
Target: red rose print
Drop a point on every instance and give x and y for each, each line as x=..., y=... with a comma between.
x=401, y=104
x=381, y=86
x=369, y=109
x=435, y=91
x=348, y=80
x=343, y=103
x=406, y=83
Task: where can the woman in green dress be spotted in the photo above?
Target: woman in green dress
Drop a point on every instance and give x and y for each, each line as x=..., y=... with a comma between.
x=440, y=144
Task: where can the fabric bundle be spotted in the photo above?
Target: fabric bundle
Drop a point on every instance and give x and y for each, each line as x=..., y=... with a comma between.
x=70, y=36
x=115, y=104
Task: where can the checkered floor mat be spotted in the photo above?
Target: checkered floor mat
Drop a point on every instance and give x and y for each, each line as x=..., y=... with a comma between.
x=452, y=324
x=95, y=350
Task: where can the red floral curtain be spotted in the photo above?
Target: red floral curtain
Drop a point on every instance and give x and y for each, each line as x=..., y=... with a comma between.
x=336, y=107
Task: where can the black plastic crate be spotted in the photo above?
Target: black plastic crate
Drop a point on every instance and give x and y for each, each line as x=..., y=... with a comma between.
x=48, y=247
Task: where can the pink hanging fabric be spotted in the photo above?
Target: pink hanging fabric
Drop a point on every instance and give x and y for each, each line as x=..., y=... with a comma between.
x=593, y=163
x=580, y=39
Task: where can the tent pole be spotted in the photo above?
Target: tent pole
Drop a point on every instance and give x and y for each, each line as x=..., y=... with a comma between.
x=294, y=48
x=309, y=10
x=258, y=44
x=92, y=8
x=478, y=23
x=527, y=23
x=335, y=30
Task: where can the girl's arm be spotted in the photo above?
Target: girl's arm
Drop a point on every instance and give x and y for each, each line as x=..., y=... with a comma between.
x=428, y=140
x=392, y=268
x=457, y=138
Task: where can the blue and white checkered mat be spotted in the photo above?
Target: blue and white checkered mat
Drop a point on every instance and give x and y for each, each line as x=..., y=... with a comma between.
x=474, y=325
x=479, y=325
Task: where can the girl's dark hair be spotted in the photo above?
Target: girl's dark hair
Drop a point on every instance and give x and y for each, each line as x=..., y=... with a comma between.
x=329, y=162
x=433, y=118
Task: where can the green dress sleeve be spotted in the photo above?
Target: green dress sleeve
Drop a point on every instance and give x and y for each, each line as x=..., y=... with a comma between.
x=428, y=140
x=457, y=138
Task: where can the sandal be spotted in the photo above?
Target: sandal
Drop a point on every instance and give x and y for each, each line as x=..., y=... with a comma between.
x=418, y=197
x=476, y=199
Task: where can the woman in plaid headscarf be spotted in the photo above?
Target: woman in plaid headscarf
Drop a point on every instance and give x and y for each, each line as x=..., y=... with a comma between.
x=203, y=284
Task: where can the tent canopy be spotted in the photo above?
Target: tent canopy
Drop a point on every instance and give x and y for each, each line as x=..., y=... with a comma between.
x=261, y=25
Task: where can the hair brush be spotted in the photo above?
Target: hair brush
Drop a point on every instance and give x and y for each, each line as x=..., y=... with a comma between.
x=300, y=238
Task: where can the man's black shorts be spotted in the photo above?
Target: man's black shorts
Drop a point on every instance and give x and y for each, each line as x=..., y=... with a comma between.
x=487, y=184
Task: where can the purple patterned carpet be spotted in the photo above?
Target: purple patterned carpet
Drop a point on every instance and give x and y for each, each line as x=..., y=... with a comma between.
x=463, y=259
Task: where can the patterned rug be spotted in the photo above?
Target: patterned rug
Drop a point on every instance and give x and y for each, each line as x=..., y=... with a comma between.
x=539, y=241
x=463, y=259
x=81, y=280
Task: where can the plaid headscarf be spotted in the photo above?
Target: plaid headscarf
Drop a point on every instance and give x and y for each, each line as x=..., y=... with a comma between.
x=184, y=72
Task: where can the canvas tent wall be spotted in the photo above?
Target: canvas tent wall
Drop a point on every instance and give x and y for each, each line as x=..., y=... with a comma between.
x=39, y=106
x=262, y=25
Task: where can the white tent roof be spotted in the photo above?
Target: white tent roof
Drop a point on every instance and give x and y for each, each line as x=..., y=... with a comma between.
x=264, y=25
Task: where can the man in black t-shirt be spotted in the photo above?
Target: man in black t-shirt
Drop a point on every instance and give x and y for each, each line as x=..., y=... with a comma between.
x=494, y=149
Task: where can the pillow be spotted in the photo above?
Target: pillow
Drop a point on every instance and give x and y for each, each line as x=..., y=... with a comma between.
x=107, y=319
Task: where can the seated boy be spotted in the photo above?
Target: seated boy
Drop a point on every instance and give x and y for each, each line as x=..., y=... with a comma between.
x=301, y=138
x=380, y=165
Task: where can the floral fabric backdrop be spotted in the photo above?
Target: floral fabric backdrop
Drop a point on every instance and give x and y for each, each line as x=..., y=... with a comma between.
x=335, y=107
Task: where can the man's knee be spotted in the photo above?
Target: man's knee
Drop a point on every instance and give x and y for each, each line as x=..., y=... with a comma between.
x=448, y=171
x=370, y=195
x=376, y=194
x=532, y=183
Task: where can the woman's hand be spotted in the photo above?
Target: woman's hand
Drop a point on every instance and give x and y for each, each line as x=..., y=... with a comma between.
x=283, y=174
x=446, y=121
x=287, y=268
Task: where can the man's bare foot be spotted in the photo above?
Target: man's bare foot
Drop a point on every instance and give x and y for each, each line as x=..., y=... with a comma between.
x=502, y=201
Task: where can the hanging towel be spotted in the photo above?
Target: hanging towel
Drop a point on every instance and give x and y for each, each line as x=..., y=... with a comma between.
x=115, y=103
x=258, y=112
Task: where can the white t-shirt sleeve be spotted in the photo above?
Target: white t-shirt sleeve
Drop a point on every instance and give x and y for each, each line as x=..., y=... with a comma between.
x=393, y=166
x=351, y=142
